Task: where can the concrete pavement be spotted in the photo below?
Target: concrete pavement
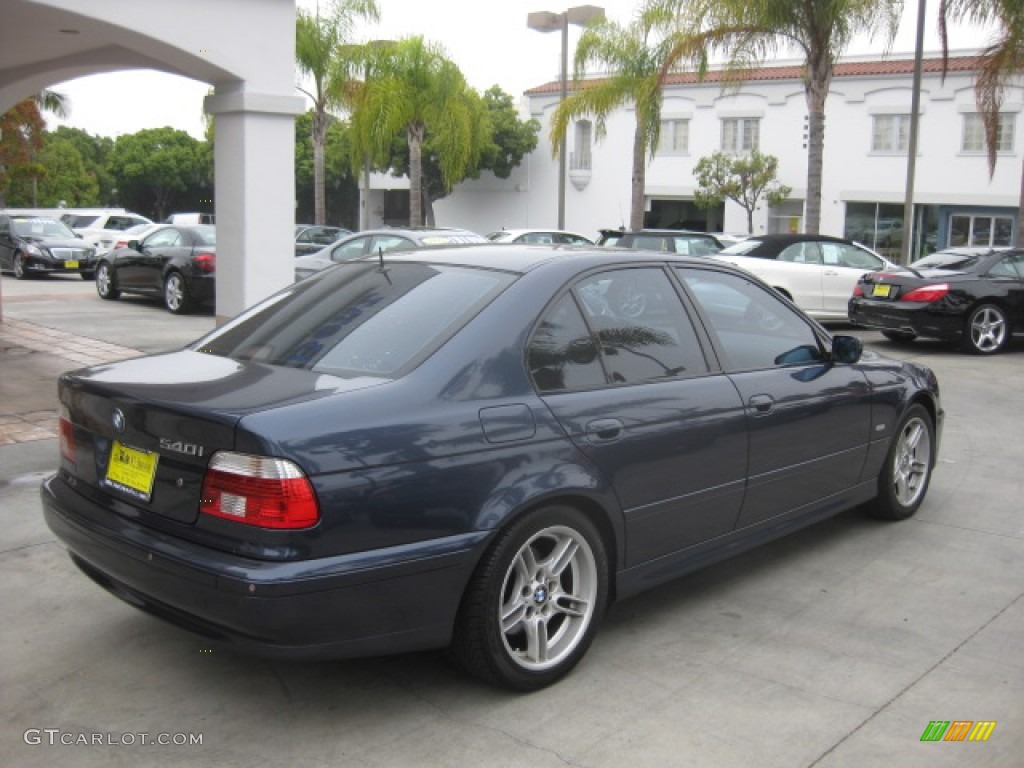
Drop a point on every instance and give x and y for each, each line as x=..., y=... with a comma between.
x=837, y=646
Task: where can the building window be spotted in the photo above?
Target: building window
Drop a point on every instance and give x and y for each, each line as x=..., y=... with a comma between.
x=740, y=134
x=974, y=133
x=674, y=137
x=580, y=159
x=890, y=133
x=980, y=230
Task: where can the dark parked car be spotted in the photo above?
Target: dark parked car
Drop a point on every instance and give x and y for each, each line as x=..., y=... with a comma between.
x=175, y=263
x=310, y=238
x=662, y=240
x=375, y=241
x=971, y=295
x=35, y=245
x=815, y=272
x=474, y=448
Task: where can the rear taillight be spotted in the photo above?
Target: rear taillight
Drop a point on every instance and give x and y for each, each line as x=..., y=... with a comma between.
x=67, y=434
x=260, y=491
x=857, y=290
x=206, y=262
x=926, y=293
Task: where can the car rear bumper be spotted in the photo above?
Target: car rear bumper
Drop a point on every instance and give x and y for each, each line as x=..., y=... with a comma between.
x=918, y=319
x=371, y=603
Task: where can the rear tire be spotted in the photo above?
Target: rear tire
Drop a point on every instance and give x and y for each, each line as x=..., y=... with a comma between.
x=106, y=286
x=903, y=481
x=987, y=330
x=535, y=601
x=176, y=297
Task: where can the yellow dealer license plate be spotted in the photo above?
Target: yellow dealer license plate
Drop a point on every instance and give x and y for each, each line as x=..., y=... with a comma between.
x=881, y=290
x=71, y=265
x=131, y=470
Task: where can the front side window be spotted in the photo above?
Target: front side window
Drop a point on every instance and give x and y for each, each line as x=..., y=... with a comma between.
x=890, y=133
x=974, y=133
x=843, y=255
x=755, y=329
x=741, y=134
x=674, y=137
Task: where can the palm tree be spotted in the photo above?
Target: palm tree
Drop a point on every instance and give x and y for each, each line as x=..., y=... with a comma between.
x=1001, y=62
x=637, y=68
x=750, y=31
x=418, y=89
x=317, y=43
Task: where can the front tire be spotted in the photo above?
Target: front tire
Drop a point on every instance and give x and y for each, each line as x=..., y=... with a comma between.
x=20, y=273
x=987, y=330
x=535, y=601
x=106, y=285
x=176, y=297
x=904, y=479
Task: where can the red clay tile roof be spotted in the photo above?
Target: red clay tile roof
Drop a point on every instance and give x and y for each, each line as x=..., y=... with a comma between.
x=794, y=72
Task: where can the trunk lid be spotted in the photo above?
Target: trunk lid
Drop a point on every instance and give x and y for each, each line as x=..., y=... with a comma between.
x=142, y=431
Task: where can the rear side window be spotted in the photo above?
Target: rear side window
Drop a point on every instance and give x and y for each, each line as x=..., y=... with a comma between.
x=624, y=326
x=359, y=319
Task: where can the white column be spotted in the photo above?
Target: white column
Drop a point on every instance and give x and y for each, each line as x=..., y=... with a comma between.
x=254, y=158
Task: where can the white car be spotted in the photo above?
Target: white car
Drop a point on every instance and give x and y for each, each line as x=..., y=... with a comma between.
x=102, y=229
x=816, y=272
x=539, y=236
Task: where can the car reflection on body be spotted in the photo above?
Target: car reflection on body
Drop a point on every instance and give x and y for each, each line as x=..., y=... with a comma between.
x=974, y=295
x=474, y=448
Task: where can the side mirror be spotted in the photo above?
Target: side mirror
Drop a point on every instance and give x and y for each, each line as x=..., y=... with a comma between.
x=133, y=244
x=846, y=349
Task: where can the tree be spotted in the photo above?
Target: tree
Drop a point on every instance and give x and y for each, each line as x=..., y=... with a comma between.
x=1001, y=62
x=749, y=31
x=419, y=89
x=61, y=176
x=744, y=179
x=508, y=142
x=156, y=168
x=637, y=67
x=21, y=136
x=93, y=150
x=318, y=43
x=341, y=208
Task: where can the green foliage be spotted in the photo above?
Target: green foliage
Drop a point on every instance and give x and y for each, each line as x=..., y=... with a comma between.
x=744, y=179
x=94, y=151
x=158, y=169
x=21, y=137
x=58, y=175
x=342, y=203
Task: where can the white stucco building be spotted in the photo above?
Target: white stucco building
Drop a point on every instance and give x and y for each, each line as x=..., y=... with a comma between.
x=865, y=160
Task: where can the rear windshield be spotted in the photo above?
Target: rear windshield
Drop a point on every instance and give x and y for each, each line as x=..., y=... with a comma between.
x=950, y=261
x=358, y=318
x=205, y=235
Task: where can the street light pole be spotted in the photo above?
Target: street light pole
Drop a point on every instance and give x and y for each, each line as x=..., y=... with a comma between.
x=546, y=21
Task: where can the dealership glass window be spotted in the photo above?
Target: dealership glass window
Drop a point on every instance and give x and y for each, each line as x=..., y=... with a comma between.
x=674, y=137
x=980, y=230
x=974, y=132
x=890, y=133
x=740, y=134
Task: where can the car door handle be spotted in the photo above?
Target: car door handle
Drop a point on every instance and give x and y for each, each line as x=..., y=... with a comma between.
x=603, y=430
x=761, y=405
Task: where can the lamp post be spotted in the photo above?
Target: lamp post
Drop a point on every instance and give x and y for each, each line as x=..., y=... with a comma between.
x=546, y=21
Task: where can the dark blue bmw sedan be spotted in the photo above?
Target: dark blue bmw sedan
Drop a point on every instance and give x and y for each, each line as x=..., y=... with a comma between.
x=474, y=448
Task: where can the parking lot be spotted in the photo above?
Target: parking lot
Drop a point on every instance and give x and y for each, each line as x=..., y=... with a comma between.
x=836, y=646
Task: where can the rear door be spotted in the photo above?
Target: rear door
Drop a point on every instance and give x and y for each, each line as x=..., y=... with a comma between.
x=808, y=419
x=619, y=362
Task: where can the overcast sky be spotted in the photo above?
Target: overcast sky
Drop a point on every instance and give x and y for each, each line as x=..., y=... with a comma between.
x=489, y=41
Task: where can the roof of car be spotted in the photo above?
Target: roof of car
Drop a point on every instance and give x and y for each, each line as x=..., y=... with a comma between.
x=795, y=238
x=522, y=258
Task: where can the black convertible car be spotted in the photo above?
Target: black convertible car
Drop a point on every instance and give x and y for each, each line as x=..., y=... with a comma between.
x=971, y=295
x=475, y=448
